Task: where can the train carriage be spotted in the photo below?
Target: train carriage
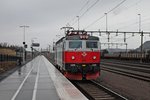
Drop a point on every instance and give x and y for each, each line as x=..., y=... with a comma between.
x=77, y=55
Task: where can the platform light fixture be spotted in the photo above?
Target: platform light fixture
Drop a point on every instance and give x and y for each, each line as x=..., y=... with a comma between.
x=24, y=43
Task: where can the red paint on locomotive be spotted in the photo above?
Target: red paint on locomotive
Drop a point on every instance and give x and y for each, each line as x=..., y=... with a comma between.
x=78, y=56
x=81, y=57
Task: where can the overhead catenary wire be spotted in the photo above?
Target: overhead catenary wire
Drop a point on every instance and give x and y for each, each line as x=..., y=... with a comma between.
x=116, y=6
x=137, y=2
x=134, y=23
x=88, y=9
x=87, y=2
x=104, y=14
x=127, y=8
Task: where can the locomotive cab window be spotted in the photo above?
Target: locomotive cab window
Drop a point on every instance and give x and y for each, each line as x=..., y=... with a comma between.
x=91, y=44
x=75, y=44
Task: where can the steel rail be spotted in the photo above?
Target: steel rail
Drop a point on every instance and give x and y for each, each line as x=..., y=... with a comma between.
x=95, y=91
x=127, y=67
x=125, y=73
x=145, y=65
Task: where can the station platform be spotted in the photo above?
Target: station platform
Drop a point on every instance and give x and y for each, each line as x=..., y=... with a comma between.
x=38, y=80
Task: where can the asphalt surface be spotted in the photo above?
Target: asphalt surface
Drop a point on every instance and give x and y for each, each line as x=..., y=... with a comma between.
x=31, y=82
x=38, y=80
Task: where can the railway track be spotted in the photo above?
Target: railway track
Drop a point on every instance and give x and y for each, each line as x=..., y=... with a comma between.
x=131, y=63
x=139, y=72
x=95, y=91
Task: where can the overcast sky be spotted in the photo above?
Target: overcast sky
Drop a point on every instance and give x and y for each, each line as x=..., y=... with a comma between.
x=46, y=17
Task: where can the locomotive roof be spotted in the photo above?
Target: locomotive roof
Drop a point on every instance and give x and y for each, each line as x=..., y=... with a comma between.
x=77, y=34
x=60, y=40
x=77, y=37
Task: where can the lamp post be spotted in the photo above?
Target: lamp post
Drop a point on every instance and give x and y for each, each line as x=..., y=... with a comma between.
x=24, y=44
x=139, y=22
x=107, y=28
x=32, y=41
x=78, y=22
x=106, y=22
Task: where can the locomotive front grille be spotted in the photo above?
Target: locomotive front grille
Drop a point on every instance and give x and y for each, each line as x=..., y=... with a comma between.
x=75, y=68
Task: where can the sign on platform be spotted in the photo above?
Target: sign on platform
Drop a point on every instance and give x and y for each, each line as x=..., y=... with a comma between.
x=35, y=44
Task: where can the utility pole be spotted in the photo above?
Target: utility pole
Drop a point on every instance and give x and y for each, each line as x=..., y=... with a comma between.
x=24, y=44
x=141, y=36
x=124, y=37
x=49, y=48
x=141, y=45
x=126, y=47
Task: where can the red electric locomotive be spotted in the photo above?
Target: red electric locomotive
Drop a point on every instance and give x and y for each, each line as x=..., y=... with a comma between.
x=77, y=55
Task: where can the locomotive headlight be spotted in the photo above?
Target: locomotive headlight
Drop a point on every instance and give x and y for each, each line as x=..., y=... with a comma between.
x=94, y=57
x=72, y=57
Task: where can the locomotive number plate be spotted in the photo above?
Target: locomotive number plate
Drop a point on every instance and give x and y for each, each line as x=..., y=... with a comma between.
x=83, y=65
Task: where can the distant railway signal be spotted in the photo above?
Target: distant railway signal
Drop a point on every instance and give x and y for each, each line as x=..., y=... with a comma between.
x=25, y=46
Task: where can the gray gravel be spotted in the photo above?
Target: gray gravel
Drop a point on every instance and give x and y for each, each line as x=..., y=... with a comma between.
x=131, y=88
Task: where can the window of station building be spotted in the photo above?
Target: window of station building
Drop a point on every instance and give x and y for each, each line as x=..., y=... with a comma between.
x=90, y=44
x=75, y=44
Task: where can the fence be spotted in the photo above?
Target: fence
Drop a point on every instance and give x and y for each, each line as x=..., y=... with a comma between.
x=7, y=62
x=8, y=58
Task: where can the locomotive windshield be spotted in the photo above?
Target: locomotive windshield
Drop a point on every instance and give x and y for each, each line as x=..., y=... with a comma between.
x=75, y=44
x=91, y=44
